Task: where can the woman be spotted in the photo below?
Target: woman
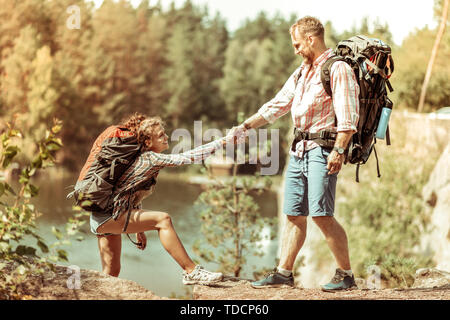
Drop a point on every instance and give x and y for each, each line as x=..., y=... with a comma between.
x=135, y=183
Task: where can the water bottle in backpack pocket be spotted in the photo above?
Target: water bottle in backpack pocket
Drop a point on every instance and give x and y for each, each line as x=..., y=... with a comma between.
x=384, y=120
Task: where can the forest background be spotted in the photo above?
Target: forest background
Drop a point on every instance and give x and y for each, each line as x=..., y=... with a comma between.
x=180, y=63
x=183, y=64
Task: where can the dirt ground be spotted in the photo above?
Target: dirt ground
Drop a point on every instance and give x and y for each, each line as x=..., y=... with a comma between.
x=241, y=290
x=64, y=284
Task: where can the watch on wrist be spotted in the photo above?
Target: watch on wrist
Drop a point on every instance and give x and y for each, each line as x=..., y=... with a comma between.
x=339, y=150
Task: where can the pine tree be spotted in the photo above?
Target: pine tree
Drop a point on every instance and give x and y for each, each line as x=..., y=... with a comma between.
x=17, y=70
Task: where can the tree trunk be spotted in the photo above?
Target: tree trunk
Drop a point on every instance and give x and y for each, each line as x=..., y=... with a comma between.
x=433, y=55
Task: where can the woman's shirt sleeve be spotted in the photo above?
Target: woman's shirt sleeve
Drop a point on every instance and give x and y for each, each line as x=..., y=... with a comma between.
x=192, y=156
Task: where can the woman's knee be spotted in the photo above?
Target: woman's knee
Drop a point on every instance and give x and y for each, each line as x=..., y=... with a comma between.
x=165, y=221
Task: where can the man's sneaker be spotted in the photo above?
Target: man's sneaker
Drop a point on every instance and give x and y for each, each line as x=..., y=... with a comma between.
x=201, y=276
x=340, y=281
x=274, y=280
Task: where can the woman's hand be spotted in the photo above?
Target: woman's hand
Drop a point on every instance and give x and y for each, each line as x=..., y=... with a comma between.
x=141, y=239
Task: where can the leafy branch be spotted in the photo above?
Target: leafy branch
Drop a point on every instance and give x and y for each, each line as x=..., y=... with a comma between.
x=18, y=259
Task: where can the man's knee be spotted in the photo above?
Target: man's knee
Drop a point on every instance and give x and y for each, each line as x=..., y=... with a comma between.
x=324, y=220
x=297, y=220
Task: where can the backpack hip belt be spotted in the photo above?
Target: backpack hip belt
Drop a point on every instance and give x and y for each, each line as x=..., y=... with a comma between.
x=324, y=138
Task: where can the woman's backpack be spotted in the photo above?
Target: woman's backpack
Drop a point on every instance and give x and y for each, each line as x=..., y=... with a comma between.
x=112, y=153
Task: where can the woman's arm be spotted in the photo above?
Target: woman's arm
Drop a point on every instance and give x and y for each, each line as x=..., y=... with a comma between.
x=192, y=156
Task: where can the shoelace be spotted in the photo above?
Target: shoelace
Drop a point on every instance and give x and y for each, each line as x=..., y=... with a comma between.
x=338, y=277
x=271, y=273
x=201, y=271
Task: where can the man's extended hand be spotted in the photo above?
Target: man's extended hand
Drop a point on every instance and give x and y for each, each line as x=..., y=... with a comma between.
x=237, y=135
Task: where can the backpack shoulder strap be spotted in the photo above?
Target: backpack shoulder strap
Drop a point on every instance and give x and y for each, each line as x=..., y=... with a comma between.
x=325, y=74
x=298, y=76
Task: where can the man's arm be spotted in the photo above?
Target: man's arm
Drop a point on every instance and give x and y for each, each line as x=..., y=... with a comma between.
x=346, y=107
x=240, y=132
x=255, y=121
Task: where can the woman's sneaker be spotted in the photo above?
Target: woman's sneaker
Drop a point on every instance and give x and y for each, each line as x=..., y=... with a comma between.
x=340, y=281
x=201, y=276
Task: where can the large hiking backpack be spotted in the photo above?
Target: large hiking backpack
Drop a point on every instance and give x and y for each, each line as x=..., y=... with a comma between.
x=372, y=63
x=104, y=166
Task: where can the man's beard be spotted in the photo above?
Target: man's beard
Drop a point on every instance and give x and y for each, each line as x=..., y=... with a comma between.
x=308, y=57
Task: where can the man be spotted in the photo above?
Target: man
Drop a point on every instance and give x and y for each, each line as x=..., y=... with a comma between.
x=315, y=160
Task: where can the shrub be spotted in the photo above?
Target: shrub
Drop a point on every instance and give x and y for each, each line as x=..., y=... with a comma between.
x=18, y=259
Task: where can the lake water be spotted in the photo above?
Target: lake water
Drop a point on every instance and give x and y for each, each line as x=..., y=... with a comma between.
x=152, y=268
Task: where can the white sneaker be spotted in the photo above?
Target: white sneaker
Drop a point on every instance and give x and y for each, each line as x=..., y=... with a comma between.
x=201, y=276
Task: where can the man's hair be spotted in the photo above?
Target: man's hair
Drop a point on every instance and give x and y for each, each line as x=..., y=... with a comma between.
x=308, y=26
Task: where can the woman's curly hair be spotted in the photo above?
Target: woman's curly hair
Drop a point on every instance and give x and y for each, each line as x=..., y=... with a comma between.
x=142, y=127
x=133, y=122
x=147, y=130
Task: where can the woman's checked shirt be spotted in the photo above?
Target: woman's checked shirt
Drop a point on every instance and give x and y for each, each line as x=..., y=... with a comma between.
x=312, y=109
x=148, y=165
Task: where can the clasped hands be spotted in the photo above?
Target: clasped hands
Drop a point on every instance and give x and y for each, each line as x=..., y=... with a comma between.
x=236, y=135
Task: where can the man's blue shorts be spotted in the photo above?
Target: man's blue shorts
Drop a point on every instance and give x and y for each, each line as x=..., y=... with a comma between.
x=309, y=189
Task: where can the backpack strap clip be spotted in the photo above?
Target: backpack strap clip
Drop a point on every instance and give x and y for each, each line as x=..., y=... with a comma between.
x=113, y=165
x=324, y=138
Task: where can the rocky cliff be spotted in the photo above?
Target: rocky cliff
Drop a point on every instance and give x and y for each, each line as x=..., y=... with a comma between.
x=62, y=285
x=437, y=195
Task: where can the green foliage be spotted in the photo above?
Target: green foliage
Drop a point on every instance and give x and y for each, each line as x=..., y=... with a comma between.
x=231, y=222
x=259, y=59
x=181, y=64
x=396, y=272
x=411, y=61
x=376, y=30
x=18, y=258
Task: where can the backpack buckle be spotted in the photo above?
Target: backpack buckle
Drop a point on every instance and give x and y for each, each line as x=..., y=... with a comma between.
x=327, y=135
x=300, y=135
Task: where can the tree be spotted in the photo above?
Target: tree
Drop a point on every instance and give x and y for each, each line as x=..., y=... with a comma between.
x=195, y=56
x=376, y=30
x=433, y=54
x=231, y=222
x=42, y=95
x=17, y=70
x=410, y=70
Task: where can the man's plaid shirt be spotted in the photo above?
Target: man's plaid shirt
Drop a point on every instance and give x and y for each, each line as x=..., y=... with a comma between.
x=148, y=165
x=312, y=109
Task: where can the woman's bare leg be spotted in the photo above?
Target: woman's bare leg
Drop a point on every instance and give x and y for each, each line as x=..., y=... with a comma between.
x=141, y=221
x=110, y=248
